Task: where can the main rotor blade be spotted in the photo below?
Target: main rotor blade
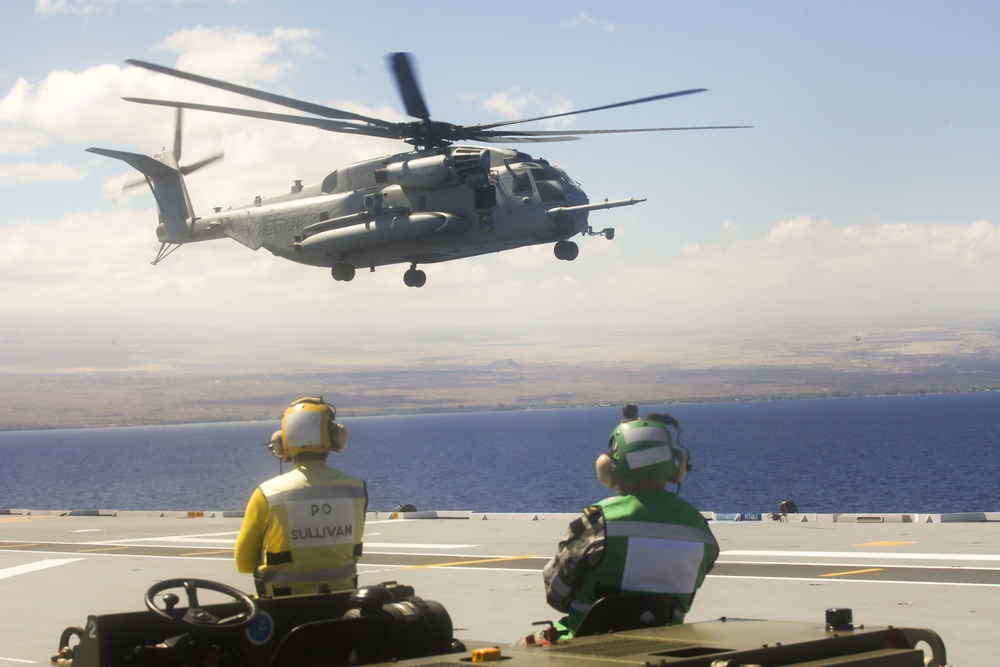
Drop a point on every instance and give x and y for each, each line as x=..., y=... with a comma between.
x=178, y=130
x=321, y=123
x=574, y=133
x=641, y=100
x=409, y=89
x=299, y=105
x=514, y=139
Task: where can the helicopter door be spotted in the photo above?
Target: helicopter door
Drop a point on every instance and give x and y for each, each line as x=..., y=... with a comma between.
x=486, y=196
x=485, y=201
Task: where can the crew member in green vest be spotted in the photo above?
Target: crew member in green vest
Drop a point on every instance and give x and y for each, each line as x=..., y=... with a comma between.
x=302, y=531
x=645, y=539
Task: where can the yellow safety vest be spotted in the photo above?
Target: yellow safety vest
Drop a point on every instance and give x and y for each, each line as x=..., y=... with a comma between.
x=313, y=538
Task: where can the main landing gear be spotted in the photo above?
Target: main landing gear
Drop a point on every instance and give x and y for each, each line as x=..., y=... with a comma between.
x=414, y=277
x=343, y=271
x=566, y=250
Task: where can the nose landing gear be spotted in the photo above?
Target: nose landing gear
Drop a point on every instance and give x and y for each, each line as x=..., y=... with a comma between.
x=566, y=250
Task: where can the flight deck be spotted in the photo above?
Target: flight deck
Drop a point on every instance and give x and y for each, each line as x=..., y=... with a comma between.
x=934, y=571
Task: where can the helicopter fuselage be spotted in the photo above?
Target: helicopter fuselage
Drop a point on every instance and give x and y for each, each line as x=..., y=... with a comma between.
x=418, y=207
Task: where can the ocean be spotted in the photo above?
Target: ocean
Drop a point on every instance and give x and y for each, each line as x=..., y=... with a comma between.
x=920, y=454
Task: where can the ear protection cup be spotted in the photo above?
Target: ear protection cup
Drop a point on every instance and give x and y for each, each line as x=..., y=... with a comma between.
x=277, y=447
x=606, y=471
x=681, y=465
x=338, y=436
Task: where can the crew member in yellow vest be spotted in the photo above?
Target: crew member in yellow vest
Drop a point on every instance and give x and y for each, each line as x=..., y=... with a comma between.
x=302, y=531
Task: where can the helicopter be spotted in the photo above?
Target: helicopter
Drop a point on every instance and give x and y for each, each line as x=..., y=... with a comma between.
x=435, y=203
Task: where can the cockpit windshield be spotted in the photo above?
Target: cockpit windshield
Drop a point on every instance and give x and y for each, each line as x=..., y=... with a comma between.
x=548, y=181
x=552, y=183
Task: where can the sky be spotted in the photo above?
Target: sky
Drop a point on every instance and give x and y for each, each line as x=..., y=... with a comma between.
x=867, y=186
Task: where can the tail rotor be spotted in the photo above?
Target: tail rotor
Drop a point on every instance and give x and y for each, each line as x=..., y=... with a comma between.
x=175, y=156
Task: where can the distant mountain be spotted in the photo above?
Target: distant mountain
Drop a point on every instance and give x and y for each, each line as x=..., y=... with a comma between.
x=86, y=369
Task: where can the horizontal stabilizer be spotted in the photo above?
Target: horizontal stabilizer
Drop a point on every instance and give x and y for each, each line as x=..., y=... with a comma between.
x=142, y=163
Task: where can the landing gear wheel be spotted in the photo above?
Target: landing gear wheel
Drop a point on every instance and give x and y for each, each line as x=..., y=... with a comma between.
x=414, y=277
x=566, y=250
x=196, y=618
x=343, y=271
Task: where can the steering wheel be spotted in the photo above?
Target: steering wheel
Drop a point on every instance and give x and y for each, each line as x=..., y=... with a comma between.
x=196, y=618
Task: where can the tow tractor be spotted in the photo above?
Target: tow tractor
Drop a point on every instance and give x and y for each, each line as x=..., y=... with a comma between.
x=389, y=624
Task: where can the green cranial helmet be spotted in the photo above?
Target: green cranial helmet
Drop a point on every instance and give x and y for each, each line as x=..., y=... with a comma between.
x=644, y=449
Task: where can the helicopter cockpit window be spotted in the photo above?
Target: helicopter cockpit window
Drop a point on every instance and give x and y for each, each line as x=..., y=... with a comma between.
x=542, y=174
x=550, y=192
x=522, y=183
x=547, y=182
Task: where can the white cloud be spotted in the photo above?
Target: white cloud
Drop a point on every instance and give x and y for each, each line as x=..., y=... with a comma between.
x=18, y=141
x=514, y=103
x=78, y=105
x=100, y=261
x=229, y=53
x=803, y=269
x=588, y=21
x=31, y=172
x=72, y=7
x=261, y=158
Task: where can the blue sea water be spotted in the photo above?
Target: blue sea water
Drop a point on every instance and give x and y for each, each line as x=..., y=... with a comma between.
x=922, y=453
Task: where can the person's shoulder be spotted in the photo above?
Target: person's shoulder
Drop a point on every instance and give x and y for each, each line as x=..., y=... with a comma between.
x=332, y=473
x=684, y=507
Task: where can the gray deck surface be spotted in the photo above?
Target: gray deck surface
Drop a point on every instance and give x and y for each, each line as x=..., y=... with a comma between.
x=486, y=570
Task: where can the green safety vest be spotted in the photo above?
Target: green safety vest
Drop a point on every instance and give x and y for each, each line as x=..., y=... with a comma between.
x=655, y=542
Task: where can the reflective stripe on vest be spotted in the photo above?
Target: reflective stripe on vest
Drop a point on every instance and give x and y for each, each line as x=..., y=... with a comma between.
x=330, y=574
x=313, y=493
x=663, y=531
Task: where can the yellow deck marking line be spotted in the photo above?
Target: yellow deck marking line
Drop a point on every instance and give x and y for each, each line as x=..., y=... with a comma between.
x=469, y=562
x=16, y=546
x=842, y=574
x=87, y=551
x=882, y=544
x=209, y=553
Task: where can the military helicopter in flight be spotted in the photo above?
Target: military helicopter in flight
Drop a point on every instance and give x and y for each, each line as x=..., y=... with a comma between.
x=434, y=203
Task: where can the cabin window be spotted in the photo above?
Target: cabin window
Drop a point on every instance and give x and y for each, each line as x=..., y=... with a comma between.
x=330, y=182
